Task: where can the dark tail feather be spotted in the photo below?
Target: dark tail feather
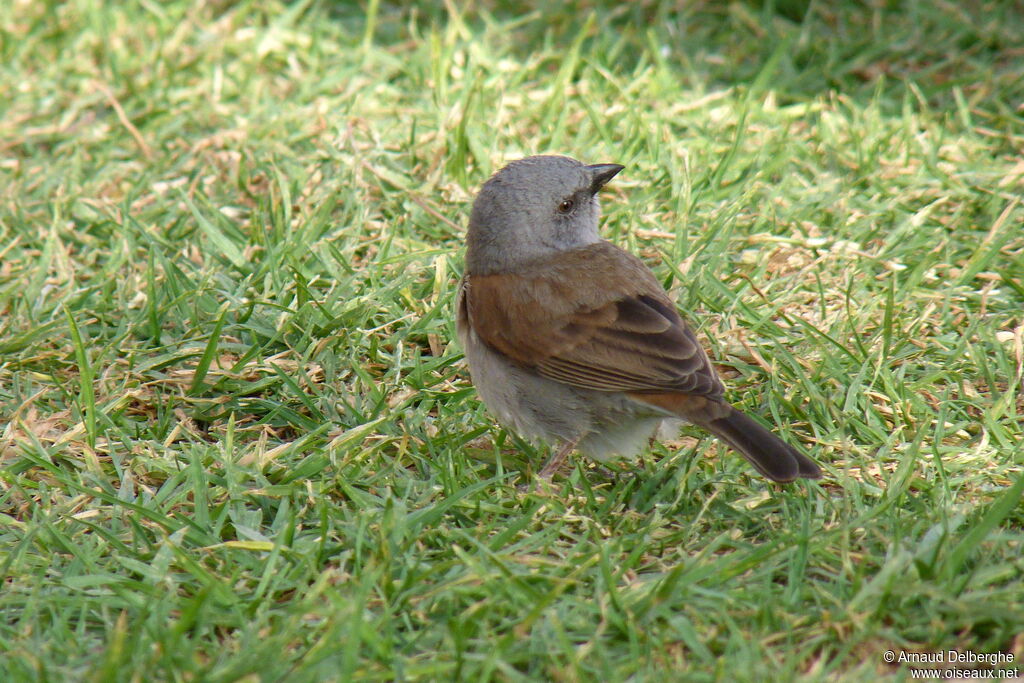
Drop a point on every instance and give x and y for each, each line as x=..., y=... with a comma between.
x=772, y=456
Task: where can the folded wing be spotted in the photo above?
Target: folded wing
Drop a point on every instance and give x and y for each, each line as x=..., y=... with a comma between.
x=594, y=318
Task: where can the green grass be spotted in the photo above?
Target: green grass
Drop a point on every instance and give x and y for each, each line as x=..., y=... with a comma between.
x=237, y=441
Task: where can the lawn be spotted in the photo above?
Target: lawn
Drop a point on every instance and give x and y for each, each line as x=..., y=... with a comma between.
x=238, y=441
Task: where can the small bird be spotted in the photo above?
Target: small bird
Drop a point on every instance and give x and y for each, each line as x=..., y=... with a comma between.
x=572, y=340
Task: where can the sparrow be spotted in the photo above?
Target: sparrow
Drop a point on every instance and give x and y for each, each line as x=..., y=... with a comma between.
x=572, y=341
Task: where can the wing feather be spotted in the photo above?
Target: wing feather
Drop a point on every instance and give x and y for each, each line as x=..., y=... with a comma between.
x=595, y=318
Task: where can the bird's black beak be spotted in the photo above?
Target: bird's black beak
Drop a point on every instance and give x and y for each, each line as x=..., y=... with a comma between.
x=600, y=174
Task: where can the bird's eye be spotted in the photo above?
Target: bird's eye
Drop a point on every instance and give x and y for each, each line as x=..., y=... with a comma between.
x=566, y=206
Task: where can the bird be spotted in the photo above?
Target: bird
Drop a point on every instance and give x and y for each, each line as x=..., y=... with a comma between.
x=572, y=342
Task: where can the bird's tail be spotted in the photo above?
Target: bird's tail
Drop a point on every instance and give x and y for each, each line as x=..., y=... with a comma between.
x=770, y=455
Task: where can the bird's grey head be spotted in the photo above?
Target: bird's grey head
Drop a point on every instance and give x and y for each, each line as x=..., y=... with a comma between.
x=533, y=208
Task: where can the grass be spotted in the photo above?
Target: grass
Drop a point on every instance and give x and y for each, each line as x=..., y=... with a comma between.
x=238, y=443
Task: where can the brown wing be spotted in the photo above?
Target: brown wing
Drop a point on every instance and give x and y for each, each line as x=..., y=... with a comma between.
x=595, y=318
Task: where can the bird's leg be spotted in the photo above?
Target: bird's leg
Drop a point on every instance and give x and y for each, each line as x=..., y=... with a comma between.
x=556, y=461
